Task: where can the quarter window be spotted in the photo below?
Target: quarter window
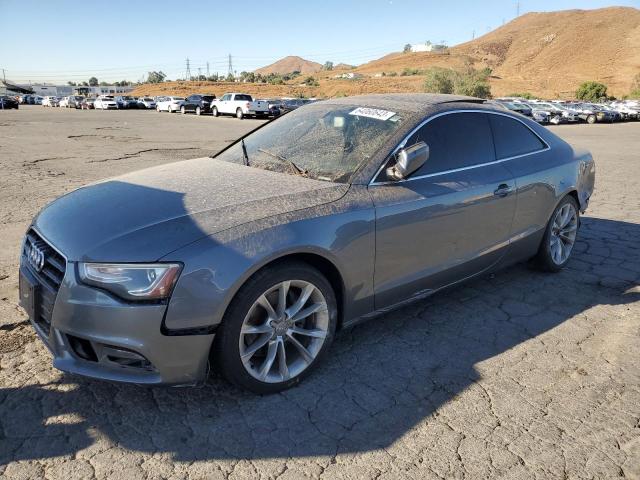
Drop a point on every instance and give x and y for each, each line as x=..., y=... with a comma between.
x=512, y=138
x=455, y=140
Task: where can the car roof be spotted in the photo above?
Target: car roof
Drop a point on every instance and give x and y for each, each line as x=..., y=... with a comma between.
x=410, y=102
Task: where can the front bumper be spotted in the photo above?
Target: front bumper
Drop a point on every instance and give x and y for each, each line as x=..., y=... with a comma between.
x=96, y=335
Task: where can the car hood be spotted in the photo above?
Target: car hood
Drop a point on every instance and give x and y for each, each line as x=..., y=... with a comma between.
x=142, y=216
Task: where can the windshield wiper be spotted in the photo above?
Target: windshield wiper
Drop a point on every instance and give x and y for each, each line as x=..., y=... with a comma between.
x=298, y=170
x=244, y=152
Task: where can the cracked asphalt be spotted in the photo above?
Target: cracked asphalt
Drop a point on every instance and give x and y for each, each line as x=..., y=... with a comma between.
x=519, y=375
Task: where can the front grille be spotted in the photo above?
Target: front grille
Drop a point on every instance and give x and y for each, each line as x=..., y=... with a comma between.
x=49, y=278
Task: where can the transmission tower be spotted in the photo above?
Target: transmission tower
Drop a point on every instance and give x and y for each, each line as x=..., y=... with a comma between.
x=188, y=72
x=517, y=9
x=230, y=66
x=207, y=69
x=199, y=72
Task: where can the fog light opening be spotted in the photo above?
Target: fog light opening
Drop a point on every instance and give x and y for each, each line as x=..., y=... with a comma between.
x=82, y=348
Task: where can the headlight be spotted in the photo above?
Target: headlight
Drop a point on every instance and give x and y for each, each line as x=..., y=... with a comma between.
x=132, y=281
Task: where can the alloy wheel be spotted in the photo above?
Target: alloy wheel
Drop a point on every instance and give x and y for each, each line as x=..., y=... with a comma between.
x=563, y=233
x=284, y=331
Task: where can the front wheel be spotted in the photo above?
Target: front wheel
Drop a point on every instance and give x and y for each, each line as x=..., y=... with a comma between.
x=214, y=112
x=198, y=111
x=182, y=110
x=239, y=114
x=591, y=119
x=560, y=236
x=277, y=329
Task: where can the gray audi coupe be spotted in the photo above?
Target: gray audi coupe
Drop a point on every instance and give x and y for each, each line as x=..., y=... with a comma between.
x=250, y=261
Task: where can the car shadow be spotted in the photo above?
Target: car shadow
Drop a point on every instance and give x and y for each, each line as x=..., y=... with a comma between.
x=380, y=380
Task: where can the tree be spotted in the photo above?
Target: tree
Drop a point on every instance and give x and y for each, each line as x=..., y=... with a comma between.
x=72, y=84
x=439, y=80
x=156, y=77
x=592, y=92
x=407, y=48
x=328, y=66
x=93, y=82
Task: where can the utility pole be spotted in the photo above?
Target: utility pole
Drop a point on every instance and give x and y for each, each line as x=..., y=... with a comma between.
x=188, y=72
x=473, y=35
x=3, y=76
x=517, y=9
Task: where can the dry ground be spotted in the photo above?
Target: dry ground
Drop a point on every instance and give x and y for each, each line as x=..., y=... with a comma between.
x=520, y=375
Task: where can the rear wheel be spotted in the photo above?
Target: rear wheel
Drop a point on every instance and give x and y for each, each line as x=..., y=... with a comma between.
x=591, y=119
x=182, y=110
x=198, y=111
x=560, y=236
x=277, y=329
x=239, y=114
x=214, y=112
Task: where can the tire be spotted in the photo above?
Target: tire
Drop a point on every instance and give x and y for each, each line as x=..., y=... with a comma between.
x=214, y=112
x=239, y=114
x=547, y=258
x=198, y=111
x=182, y=110
x=591, y=119
x=231, y=341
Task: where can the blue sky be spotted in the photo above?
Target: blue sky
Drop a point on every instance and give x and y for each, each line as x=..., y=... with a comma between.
x=117, y=39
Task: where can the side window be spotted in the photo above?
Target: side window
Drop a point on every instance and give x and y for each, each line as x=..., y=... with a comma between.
x=225, y=97
x=455, y=140
x=513, y=138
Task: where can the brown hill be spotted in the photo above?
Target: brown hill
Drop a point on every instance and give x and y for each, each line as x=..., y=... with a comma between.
x=545, y=53
x=291, y=64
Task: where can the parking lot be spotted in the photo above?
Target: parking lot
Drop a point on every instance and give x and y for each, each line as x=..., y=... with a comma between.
x=517, y=375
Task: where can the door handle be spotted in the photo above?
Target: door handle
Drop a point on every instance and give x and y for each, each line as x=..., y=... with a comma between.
x=503, y=190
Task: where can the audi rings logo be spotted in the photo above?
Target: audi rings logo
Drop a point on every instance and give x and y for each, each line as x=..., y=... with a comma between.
x=35, y=256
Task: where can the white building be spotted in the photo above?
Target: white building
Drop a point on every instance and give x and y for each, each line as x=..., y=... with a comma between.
x=44, y=89
x=427, y=47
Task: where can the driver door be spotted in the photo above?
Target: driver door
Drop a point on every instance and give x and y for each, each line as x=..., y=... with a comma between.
x=449, y=220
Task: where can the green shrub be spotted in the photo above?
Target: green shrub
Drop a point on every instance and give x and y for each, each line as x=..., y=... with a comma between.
x=592, y=92
x=527, y=95
x=439, y=80
x=468, y=82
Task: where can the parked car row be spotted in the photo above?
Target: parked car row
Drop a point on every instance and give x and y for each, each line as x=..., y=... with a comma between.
x=239, y=105
x=560, y=111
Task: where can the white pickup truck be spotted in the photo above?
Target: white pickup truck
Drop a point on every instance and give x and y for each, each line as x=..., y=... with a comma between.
x=239, y=104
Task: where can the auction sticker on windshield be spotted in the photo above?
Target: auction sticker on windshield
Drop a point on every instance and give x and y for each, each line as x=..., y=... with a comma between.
x=372, y=113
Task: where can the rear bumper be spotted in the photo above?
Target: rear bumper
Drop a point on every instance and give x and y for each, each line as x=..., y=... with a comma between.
x=95, y=335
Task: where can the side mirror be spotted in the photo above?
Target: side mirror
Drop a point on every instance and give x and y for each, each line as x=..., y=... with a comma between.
x=408, y=160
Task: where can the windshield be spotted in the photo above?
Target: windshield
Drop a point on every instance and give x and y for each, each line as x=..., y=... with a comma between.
x=321, y=141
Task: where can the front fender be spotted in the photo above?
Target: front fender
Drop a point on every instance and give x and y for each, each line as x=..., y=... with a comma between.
x=216, y=267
